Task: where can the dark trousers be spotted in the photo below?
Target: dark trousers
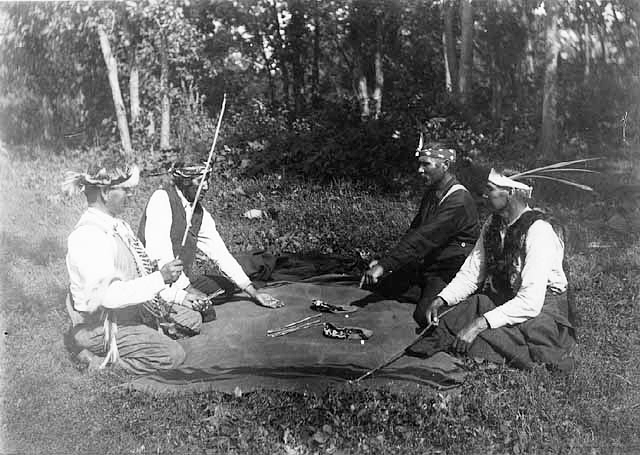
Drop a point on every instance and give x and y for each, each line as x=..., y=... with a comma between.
x=547, y=338
x=431, y=280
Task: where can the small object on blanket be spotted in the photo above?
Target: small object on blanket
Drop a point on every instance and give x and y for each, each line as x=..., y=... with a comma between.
x=344, y=333
x=295, y=328
x=324, y=307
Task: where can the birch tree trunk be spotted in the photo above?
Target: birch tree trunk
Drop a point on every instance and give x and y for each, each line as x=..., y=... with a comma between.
x=466, y=52
x=548, y=141
x=315, y=71
x=449, y=47
x=379, y=71
x=112, y=72
x=165, y=105
x=134, y=88
x=363, y=92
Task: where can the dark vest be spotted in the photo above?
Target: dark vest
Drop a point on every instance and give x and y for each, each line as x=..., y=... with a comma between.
x=178, y=226
x=502, y=257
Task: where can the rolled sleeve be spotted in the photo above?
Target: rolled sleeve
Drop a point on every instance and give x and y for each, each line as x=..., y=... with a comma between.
x=211, y=244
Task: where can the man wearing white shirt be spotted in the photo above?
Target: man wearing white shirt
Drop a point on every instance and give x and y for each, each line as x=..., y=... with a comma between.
x=162, y=228
x=521, y=314
x=114, y=289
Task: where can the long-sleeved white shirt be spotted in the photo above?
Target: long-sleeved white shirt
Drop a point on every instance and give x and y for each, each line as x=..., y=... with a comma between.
x=158, y=239
x=542, y=269
x=94, y=278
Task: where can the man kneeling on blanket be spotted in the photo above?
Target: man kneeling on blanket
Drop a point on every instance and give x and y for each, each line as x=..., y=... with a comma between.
x=439, y=239
x=117, y=297
x=162, y=229
x=522, y=315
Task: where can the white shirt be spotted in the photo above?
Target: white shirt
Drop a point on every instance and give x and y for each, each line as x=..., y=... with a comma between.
x=94, y=280
x=542, y=268
x=158, y=239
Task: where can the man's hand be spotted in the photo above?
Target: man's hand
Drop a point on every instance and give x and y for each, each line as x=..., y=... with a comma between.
x=193, y=300
x=468, y=334
x=262, y=299
x=372, y=275
x=268, y=301
x=171, y=271
x=432, y=310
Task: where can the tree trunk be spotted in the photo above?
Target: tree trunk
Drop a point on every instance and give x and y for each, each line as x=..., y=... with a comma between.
x=165, y=105
x=281, y=52
x=529, y=60
x=112, y=71
x=466, y=52
x=315, y=71
x=449, y=46
x=134, y=88
x=587, y=51
x=363, y=92
x=377, y=91
x=296, y=45
x=549, y=138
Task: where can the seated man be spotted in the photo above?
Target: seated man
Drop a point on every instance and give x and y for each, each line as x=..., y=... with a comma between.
x=521, y=314
x=162, y=230
x=116, y=297
x=440, y=236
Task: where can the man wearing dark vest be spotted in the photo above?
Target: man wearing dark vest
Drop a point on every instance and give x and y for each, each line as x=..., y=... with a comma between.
x=440, y=236
x=162, y=229
x=118, y=300
x=521, y=314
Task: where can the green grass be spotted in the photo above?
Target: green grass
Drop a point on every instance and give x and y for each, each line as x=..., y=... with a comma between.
x=49, y=406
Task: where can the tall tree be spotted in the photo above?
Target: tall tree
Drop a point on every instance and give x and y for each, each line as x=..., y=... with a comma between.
x=466, y=51
x=549, y=134
x=112, y=72
x=449, y=47
x=379, y=71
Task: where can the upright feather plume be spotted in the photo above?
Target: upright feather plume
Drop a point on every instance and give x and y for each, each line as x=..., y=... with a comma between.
x=550, y=171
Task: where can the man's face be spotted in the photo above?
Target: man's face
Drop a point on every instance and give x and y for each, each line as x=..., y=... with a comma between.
x=191, y=189
x=432, y=170
x=498, y=198
x=115, y=199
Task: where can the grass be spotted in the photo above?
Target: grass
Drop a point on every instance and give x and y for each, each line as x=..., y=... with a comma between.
x=49, y=406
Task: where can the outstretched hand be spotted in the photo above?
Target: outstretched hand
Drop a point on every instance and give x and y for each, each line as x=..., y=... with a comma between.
x=268, y=301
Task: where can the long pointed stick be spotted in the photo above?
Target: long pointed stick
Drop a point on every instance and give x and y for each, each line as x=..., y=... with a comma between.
x=399, y=353
x=293, y=323
x=206, y=169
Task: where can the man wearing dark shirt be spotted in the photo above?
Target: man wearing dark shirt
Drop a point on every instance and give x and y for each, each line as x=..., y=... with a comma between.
x=440, y=236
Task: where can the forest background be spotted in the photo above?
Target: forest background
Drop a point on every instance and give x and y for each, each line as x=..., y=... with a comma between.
x=325, y=101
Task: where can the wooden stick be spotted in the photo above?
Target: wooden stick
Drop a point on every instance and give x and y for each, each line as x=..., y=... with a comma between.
x=295, y=328
x=206, y=169
x=293, y=323
x=400, y=353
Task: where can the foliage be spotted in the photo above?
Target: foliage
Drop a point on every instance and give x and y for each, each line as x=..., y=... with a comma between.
x=50, y=406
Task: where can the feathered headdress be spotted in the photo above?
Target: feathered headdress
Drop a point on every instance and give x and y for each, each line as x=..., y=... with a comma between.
x=76, y=182
x=549, y=172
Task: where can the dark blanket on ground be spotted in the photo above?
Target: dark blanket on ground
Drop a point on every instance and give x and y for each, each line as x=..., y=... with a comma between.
x=235, y=352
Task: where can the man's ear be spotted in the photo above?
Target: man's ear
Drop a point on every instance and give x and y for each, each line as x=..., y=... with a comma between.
x=446, y=165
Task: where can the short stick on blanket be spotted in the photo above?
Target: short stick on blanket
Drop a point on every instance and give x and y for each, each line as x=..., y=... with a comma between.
x=295, y=328
x=279, y=329
x=400, y=353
